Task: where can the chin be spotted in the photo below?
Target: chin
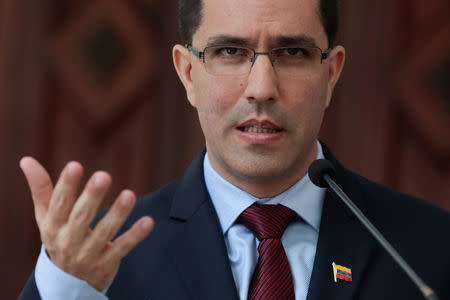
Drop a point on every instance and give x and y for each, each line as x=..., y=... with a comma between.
x=263, y=172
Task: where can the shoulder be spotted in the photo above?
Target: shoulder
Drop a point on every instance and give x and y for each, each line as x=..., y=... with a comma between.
x=415, y=227
x=411, y=224
x=156, y=205
x=175, y=200
x=388, y=202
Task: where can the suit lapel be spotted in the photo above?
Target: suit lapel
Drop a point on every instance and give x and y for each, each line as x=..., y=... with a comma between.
x=199, y=253
x=197, y=245
x=342, y=239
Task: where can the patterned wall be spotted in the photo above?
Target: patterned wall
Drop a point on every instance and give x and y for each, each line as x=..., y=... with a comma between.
x=93, y=81
x=390, y=116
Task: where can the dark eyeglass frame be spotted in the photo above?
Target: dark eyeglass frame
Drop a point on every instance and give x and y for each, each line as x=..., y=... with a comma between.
x=201, y=54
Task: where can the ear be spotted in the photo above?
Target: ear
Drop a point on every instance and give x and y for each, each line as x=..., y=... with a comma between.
x=335, y=65
x=183, y=65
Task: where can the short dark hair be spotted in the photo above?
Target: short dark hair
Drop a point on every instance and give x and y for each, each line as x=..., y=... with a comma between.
x=190, y=17
x=190, y=13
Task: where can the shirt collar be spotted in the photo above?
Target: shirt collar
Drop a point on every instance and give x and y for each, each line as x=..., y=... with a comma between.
x=303, y=197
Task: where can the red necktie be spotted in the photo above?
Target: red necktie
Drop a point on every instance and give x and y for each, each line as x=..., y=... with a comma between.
x=272, y=278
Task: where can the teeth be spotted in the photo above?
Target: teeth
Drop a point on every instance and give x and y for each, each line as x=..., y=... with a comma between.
x=257, y=129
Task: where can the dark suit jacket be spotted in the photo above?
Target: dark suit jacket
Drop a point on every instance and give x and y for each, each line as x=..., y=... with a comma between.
x=185, y=256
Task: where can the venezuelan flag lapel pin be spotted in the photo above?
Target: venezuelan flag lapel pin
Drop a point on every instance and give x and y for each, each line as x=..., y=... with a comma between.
x=341, y=272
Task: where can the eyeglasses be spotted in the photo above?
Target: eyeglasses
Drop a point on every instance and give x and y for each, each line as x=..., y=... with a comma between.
x=237, y=60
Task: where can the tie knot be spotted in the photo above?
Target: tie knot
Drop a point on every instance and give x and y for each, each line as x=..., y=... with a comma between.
x=267, y=221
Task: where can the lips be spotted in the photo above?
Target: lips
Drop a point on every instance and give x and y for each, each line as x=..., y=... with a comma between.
x=258, y=129
x=256, y=126
x=260, y=132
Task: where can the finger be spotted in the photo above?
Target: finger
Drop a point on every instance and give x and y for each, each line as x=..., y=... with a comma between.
x=64, y=193
x=86, y=206
x=40, y=185
x=108, y=227
x=127, y=241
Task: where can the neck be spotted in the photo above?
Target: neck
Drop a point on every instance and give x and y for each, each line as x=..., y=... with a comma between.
x=268, y=185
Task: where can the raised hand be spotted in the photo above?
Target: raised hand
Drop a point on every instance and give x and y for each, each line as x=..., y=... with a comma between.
x=64, y=220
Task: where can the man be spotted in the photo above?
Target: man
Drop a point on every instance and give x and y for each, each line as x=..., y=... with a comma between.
x=260, y=74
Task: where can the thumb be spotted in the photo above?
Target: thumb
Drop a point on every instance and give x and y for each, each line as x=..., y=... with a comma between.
x=40, y=184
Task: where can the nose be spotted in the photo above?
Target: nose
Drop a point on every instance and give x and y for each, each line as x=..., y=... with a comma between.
x=262, y=81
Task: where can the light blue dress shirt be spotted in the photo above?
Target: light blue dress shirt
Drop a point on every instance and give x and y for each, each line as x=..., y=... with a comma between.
x=299, y=239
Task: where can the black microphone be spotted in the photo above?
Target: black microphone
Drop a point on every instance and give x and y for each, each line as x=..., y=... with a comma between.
x=321, y=172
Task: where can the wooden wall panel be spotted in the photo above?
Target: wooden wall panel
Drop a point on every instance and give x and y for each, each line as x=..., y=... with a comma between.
x=388, y=120
x=20, y=128
x=362, y=96
x=43, y=114
x=153, y=134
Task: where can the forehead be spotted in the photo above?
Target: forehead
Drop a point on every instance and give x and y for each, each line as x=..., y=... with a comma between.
x=260, y=21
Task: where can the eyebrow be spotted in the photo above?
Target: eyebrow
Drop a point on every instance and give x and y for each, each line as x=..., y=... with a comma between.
x=224, y=39
x=282, y=40
x=294, y=40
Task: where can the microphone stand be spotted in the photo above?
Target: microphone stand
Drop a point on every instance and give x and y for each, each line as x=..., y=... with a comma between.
x=427, y=292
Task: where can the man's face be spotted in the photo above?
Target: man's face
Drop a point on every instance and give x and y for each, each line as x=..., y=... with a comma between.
x=264, y=163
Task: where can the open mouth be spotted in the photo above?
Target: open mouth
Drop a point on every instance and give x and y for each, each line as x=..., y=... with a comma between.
x=258, y=129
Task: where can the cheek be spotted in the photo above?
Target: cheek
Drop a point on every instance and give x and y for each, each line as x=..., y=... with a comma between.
x=216, y=98
x=217, y=95
x=306, y=103
x=305, y=95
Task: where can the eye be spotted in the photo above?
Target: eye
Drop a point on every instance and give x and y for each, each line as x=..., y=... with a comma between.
x=292, y=52
x=225, y=51
x=229, y=51
x=295, y=51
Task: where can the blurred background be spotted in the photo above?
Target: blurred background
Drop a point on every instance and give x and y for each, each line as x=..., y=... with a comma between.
x=93, y=81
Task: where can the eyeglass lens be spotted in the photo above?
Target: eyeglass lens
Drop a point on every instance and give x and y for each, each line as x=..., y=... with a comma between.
x=232, y=60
